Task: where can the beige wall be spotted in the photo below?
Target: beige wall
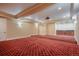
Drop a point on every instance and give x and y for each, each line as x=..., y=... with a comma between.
x=13, y=30
x=51, y=29
x=2, y=29
x=42, y=29
x=46, y=29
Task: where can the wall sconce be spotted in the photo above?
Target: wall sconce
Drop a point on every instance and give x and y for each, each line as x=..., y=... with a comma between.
x=19, y=24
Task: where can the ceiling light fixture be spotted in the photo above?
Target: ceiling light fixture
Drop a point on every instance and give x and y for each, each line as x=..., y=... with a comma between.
x=74, y=17
x=59, y=8
x=64, y=16
x=47, y=18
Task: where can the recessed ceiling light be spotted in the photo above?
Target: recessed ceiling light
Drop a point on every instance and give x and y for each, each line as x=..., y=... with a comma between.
x=59, y=8
x=64, y=16
x=74, y=17
x=75, y=21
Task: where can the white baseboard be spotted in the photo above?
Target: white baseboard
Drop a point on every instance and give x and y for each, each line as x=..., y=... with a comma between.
x=13, y=38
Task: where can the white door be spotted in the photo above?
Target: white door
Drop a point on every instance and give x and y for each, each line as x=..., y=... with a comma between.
x=2, y=29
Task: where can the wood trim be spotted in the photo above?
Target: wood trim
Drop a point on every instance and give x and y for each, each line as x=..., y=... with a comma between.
x=31, y=10
x=6, y=15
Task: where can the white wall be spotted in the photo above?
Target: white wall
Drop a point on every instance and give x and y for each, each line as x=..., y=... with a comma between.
x=66, y=26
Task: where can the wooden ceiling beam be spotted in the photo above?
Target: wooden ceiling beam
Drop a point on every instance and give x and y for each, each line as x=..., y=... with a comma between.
x=6, y=15
x=31, y=10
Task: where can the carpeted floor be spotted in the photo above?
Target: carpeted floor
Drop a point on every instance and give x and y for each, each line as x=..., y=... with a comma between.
x=64, y=38
x=35, y=46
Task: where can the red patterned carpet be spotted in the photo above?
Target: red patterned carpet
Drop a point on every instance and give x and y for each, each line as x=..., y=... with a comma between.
x=35, y=46
x=64, y=38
